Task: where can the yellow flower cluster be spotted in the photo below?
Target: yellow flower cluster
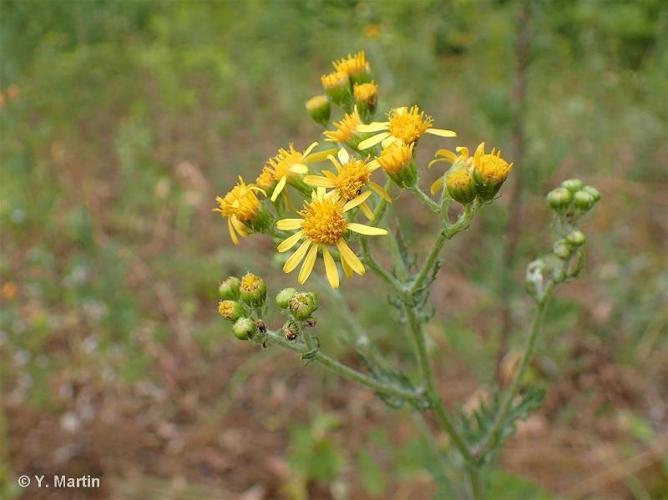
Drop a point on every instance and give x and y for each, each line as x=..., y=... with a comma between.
x=333, y=197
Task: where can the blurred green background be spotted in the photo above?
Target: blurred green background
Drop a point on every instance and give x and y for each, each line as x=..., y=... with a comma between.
x=120, y=121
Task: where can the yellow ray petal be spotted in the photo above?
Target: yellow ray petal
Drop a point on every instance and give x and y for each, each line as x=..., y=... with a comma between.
x=310, y=148
x=373, y=140
x=288, y=243
x=373, y=165
x=343, y=156
x=289, y=224
x=372, y=127
x=380, y=191
x=330, y=268
x=366, y=230
x=335, y=162
x=239, y=226
x=279, y=187
x=437, y=160
x=294, y=260
x=319, y=155
x=349, y=257
x=346, y=268
x=299, y=168
x=390, y=140
x=319, y=180
x=463, y=151
x=308, y=264
x=436, y=186
x=356, y=201
x=366, y=210
x=233, y=234
x=441, y=132
x=479, y=151
x=447, y=154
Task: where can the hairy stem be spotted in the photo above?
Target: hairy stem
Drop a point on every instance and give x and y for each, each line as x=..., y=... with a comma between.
x=494, y=432
x=346, y=371
x=425, y=199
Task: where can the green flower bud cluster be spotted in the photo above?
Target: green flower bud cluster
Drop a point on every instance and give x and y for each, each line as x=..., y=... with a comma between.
x=239, y=297
x=300, y=304
x=565, y=247
x=573, y=196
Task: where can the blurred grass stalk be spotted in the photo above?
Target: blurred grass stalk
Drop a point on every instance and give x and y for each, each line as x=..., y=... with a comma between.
x=4, y=445
x=522, y=50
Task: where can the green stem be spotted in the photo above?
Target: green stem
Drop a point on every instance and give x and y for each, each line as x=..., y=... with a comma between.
x=425, y=199
x=475, y=482
x=347, y=372
x=371, y=262
x=447, y=232
x=494, y=432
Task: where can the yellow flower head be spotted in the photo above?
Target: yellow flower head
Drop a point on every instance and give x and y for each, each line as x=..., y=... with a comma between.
x=322, y=225
x=460, y=159
x=395, y=157
x=353, y=65
x=240, y=206
x=366, y=93
x=490, y=166
x=289, y=162
x=351, y=179
x=404, y=125
x=266, y=179
x=345, y=128
x=334, y=80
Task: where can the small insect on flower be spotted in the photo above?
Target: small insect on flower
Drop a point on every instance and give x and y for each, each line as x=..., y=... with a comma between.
x=351, y=179
x=355, y=66
x=405, y=125
x=242, y=207
x=288, y=163
x=345, y=130
x=323, y=225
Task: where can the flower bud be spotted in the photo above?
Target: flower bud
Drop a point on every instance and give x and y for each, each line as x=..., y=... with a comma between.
x=559, y=198
x=290, y=330
x=576, y=238
x=303, y=304
x=231, y=310
x=366, y=98
x=283, y=297
x=253, y=290
x=490, y=171
x=562, y=249
x=592, y=191
x=244, y=328
x=337, y=86
x=460, y=185
x=319, y=109
x=229, y=288
x=397, y=161
x=573, y=185
x=583, y=200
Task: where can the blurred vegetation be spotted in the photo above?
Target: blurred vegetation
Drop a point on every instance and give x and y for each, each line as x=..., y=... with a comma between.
x=121, y=120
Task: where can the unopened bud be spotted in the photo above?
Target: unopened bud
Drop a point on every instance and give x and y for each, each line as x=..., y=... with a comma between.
x=460, y=185
x=397, y=161
x=229, y=288
x=573, y=185
x=583, y=200
x=337, y=86
x=231, y=310
x=244, y=328
x=592, y=191
x=319, y=109
x=303, y=304
x=283, y=297
x=576, y=238
x=490, y=171
x=562, y=249
x=253, y=290
x=290, y=330
x=366, y=97
x=559, y=198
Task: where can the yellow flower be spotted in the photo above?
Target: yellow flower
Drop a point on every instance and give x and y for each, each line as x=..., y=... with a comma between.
x=350, y=180
x=366, y=93
x=489, y=171
x=353, y=65
x=289, y=162
x=445, y=155
x=404, y=125
x=337, y=86
x=241, y=206
x=323, y=225
x=397, y=161
x=266, y=179
x=345, y=129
